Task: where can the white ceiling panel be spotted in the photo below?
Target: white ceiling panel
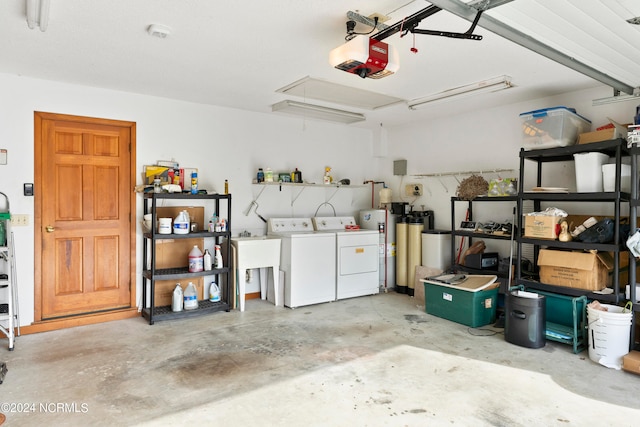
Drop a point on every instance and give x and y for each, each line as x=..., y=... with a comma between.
x=324, y=90
x=238, y=54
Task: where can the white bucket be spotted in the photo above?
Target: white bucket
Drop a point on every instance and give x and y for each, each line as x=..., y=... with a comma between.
x=609, y=334
x=609, y=178
x=589, y=171
x=164, y=226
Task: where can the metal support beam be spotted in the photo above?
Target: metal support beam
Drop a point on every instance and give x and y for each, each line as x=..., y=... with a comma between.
x=469, y=13
x=407, y=23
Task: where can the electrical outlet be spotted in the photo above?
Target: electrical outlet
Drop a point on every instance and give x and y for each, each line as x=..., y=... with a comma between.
x=19, y=220
x=413, y=190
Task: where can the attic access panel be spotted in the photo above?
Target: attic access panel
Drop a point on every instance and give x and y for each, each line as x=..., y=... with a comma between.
x=323, y=90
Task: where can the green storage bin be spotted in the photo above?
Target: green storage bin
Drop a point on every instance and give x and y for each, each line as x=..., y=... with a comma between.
x=461, y=304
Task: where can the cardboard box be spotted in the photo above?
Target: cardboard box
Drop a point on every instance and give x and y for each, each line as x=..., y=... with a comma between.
x=151, y=171
x=598, y=135
x=174, y=253
x=423, y=272
x=580, y=270
x=542, y=227
x=612, y=131
x=631, y=362
x=471, y=303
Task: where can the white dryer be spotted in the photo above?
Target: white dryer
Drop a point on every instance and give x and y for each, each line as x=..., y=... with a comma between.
x=356, y=258
x=307, y=259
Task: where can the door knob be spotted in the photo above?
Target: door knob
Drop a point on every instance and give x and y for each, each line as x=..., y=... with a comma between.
x=50, y=229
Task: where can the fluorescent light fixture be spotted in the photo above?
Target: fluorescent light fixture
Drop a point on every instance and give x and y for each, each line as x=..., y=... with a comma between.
x=38, y=14
x=485, y=86
x=618, y=98
x=346, y=96
x=311, y=111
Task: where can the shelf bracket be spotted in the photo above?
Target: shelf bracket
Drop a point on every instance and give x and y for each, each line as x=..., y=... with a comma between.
x=295, y=197
x=332, y=195
x=444, y=186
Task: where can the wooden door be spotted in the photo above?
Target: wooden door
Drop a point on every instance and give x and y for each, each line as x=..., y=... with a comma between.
x=84, y=215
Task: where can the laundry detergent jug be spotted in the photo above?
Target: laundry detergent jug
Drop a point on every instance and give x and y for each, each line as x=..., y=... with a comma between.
x=196, y=260
x=190, y=297
x=178, y=298
x=181, y=223
x=214, y=292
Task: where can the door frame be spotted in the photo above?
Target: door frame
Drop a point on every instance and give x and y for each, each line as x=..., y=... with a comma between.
x=40, y=325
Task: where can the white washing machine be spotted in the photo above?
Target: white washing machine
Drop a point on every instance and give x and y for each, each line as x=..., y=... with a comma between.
x=307, y=259
x=357, y=256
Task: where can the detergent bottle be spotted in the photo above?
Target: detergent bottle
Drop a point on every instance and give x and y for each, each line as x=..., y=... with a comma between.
x=190, y=297
x=178, y=298
x=196, y=260
x=214, y=292
x=181, y=223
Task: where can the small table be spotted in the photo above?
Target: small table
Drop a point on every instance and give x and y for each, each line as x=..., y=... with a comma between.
x=258, y=252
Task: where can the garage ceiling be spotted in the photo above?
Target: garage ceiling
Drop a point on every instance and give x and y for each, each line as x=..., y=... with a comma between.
x=239, y=54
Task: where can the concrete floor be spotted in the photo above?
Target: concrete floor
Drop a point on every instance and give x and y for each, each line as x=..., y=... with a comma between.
x=370, y=361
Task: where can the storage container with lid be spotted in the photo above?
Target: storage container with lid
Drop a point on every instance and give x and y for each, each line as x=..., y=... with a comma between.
x=552, y=127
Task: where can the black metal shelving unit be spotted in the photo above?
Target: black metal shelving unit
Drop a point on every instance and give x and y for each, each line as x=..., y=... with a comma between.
x=614, y=148
x=149, y=276
x=633, y=221
x=474, y=234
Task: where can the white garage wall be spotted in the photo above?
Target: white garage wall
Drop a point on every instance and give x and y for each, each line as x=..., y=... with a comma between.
x=483, y=141
x=221, y=143
x=232, y=144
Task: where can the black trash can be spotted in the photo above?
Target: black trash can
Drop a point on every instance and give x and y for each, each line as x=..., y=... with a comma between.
x=525, y=320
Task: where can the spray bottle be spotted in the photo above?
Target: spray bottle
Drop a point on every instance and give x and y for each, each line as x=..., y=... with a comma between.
x=218, y=258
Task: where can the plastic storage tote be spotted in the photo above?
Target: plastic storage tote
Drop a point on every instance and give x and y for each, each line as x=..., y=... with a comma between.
x=552, y=127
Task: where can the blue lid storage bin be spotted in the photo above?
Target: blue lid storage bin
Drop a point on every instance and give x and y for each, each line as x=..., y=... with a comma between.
x=552, y=127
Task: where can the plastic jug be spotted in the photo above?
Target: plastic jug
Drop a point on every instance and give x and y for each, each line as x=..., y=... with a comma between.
x=207, y=260
x=178, y=298
x=181, y=223
x=214, y=292
x=196, y=260
x=190, y=297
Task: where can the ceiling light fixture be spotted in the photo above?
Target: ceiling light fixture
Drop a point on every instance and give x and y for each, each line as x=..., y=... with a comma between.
x=38, y=14
x=618, y=98
x=311, y=111
x=346, y=96
x=485, y=86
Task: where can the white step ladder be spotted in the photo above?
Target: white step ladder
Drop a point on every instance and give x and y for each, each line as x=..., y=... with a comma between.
x=9, y=318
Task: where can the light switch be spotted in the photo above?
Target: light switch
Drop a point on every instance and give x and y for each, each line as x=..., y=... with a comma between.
x=28, y=189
